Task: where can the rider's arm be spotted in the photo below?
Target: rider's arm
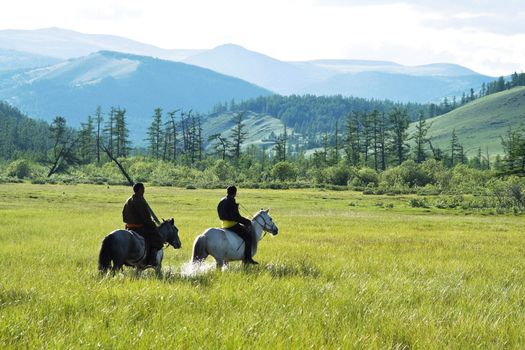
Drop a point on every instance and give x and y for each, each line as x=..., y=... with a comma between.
x=143, y=212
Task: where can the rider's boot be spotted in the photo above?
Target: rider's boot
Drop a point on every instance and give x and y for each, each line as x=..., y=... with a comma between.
x=248, y=250
x=151, y=259
x=248, y=255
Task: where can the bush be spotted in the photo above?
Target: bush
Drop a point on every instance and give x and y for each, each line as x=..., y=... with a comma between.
x=508, y=194
x=366, y=177
x=337, y=175
x=284, y=171
x=407, y=174
x=428, y=190
x=223, y=170
x=467, y=180
x=418, y=203
x=20, y=169
x=452, y=202
x=437, y=173
x=142, y=171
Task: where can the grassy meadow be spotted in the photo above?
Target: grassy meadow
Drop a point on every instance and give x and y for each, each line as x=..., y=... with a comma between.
x=346, y=271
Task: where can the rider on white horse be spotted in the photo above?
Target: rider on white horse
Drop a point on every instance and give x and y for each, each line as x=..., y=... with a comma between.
x=232, y=220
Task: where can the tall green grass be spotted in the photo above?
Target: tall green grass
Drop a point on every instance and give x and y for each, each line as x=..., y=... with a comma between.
x=346, y=271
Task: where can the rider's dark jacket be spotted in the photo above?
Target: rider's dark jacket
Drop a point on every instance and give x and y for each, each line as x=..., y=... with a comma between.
x=137, y=217
x=135, y=212
x=228, y=211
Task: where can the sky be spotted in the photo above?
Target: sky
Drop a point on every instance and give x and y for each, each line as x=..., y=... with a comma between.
x=487, y=36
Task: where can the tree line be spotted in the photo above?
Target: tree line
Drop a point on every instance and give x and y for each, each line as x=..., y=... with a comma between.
x=375, y=138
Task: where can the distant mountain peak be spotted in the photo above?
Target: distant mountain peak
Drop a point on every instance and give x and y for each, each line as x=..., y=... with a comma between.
x=230, y=46
x=234, y=49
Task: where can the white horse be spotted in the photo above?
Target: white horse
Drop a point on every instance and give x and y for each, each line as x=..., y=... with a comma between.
x=225, y=245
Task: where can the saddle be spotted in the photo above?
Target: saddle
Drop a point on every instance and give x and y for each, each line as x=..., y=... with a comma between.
x=144, y=241
x=235, y=239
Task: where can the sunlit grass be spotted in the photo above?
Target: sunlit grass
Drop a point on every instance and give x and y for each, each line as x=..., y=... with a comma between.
x=343, y=272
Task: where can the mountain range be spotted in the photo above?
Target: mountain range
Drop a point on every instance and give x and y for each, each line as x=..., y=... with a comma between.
x=53, y=71
x=360, y=78
x=64, y=44
x=368, y=79
x=74, y=88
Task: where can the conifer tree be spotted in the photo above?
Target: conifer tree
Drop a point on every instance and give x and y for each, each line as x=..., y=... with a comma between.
x=280, y=146
x=99, y=132
x=420, y=138
x=155, y=134
x=64, y=141
x=399, y=124
x=87, y=141
x=352, y=147
x=109, y=130
x=121, y=133
x=172, y=134
x=238, y=135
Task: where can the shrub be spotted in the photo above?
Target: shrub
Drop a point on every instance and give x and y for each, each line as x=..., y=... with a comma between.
x=20, y=169
x=418, y=203
x=223, y=170
x=407, y=174
x=337, y=175
x=452, y=202
x=284, y=171
x=508, y=194
x=142, y=171
x=437, y=173
x=428, y=190
x=467, y=180
x=365, y=177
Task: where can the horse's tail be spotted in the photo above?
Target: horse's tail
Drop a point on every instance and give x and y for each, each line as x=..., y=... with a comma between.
x=105, y=255
x=199, y=249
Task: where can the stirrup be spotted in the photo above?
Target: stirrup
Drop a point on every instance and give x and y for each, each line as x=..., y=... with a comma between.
x=250, y=261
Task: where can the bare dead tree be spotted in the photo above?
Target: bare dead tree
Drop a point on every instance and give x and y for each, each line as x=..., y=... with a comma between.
x=130, y=181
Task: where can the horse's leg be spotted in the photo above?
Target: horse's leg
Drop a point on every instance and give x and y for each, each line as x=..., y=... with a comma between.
x=158, y=267
x=118, y=262
x=220, y=263
x=117, y=267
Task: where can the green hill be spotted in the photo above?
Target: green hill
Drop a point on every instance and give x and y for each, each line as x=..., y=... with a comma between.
x=259, y=127
x=481, y=122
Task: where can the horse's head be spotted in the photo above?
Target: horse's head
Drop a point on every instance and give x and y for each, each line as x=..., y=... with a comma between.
x=170, y=233
x=264, y=219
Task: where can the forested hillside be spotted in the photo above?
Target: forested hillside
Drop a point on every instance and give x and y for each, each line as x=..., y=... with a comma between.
x=21, y=135
x=311, y=115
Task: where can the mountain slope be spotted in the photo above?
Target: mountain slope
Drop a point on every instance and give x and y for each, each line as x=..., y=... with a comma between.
x=259, y=127
x=64, y=44
x=281, y=77
x=481, y=122
x=12, y=59
x=76, y=87
x=359, y=78
x=358, y=66
x=397, y=87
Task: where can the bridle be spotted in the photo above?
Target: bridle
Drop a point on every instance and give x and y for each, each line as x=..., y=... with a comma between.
x=173, y=229
x=265, y=226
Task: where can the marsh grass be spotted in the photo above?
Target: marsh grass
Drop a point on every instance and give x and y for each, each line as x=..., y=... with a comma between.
x=342, y=273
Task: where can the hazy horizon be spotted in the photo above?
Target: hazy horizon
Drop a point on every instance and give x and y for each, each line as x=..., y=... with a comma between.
x=486, y=37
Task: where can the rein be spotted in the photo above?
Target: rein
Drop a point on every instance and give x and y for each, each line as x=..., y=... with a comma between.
x=166, y=244
x=264, y=227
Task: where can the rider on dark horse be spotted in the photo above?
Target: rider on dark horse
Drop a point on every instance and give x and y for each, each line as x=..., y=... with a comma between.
x=137, y=217
x=232, y=220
